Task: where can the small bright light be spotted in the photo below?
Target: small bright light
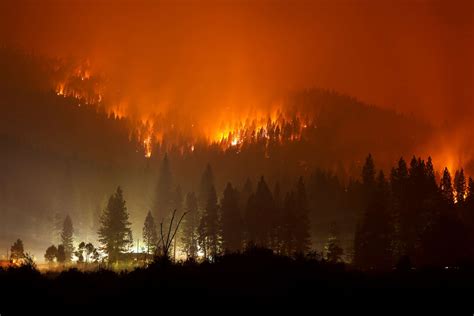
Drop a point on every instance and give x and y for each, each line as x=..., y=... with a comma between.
x=147, y=146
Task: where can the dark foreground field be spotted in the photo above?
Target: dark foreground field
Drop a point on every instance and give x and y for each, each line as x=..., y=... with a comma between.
x=237, y=282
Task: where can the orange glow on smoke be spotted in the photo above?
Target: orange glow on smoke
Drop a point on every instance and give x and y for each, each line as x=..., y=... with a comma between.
x=226, y=132
x=147, y=146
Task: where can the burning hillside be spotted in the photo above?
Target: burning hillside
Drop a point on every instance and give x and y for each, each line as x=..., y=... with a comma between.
x=294, y=120
x=337, y=129
x=275, y=126
x=64, y=122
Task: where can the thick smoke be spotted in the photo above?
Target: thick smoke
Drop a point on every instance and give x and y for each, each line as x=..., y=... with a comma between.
x=223, y=57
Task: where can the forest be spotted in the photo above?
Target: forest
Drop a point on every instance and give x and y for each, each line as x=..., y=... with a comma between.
x=296, y=183
x=250, y=157
x=407, y=218
x=413, y=240
x=65, y=154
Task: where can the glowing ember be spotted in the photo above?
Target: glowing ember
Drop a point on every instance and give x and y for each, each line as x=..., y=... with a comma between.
x=147, y=146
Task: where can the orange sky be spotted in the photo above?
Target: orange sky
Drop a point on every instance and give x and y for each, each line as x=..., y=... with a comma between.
x=413, y=56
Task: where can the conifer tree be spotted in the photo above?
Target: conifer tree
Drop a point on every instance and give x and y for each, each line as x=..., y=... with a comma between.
x=373, y=239
x=368, y=173
x=115, y=233
x=67, y=239
x=301, y=233
x=446, y=187
x=259, y=213
x=287, y=236
x=190, y=226
x=210, y=226
x=150, y=235
x=459, y=186
x=231, y=220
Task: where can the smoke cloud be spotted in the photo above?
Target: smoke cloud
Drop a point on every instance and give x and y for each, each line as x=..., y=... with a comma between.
x=221, y=58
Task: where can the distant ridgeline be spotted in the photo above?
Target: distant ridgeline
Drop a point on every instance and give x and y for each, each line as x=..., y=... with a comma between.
x=63, y=108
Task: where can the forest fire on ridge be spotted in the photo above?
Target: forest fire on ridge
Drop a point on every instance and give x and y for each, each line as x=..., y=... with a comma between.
x=227, y=131
x=275, y=126
x=154, y=147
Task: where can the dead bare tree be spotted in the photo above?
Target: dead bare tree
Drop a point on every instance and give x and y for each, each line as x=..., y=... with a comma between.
x=166, y=243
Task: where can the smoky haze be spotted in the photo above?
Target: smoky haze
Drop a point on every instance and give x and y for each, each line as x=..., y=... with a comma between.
x=202, y=58
x=206, y=62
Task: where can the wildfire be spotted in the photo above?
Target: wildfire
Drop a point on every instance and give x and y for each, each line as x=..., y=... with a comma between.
x=117, y=111
x=235, y=141
x=277, y=128
x=78, y=83
x=231, y=132
x=147, y=146
x=60, y=89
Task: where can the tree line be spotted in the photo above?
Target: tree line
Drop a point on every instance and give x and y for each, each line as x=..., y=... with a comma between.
x=249, y=217
x=409, y=217
x=412, y=218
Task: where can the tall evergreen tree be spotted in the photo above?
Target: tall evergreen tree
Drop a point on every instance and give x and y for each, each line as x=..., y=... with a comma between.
x=368, y=182
x=259, y=214
x=209, y=226
x=115, y=232
x=373, y=240
x=368, y=173
x=459, y=186
x=67, y=239
x=446, y=187
x=301, y=233
x=190, y=225
x=430, y=174
x=399, y=180
x=245, y=193
x=287, y=238
x=447, y=229
x=150, y=235
x=231, y=220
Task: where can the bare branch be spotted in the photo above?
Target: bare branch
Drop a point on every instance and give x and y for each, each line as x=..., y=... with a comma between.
x=161, y=233
x=168, y=243
x=177, y=226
